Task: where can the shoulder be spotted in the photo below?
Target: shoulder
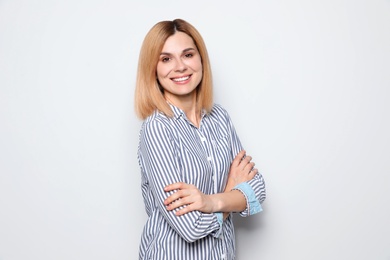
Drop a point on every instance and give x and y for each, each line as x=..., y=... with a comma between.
x=155, y=124
x=219, y=112
x=218, y=108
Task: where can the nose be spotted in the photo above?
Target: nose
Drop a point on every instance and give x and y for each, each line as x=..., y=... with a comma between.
x=180, y=65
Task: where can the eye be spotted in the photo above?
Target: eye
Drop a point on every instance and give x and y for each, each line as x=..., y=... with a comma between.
x=189, y=55
x=165, y=59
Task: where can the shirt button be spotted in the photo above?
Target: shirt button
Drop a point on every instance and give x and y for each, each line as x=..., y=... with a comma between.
x=209, y=158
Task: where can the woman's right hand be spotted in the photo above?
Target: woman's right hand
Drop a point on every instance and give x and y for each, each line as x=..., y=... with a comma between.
x=241, y=170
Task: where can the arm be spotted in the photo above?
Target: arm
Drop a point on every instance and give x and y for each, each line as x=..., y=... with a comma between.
x=159, y=159
x=253, y=189
x=231, y=200
x=244, y=192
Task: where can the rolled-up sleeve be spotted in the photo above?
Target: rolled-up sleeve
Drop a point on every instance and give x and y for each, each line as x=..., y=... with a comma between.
x=253, y=190
x=160, y=162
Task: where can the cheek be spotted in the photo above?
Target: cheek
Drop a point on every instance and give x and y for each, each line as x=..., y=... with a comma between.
x=197, y=65
x=162, y=71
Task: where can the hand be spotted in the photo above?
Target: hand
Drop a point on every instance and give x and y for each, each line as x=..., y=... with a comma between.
x=190, y=197
x=241, y=170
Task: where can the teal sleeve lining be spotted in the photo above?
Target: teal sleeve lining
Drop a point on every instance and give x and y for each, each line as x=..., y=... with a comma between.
x=220, y=222
x=253, y=204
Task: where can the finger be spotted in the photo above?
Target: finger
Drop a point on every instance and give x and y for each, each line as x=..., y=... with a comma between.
x=184, y=210
x=248, y=167
x=177, y=195
x=172, y=198
x=248, y=158
x=174, y=186
x=245, y=161
x=178, y=203
x=237, y=160
x=252, y=173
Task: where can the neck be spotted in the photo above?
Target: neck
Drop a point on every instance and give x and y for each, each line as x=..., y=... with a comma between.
x=188, y=105
x=194, y=117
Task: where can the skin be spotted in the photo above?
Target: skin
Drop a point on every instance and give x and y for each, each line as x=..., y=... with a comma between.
x=188, y=195
x=179, y=72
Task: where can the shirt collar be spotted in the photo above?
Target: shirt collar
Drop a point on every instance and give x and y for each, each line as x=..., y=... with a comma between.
x=177, y=112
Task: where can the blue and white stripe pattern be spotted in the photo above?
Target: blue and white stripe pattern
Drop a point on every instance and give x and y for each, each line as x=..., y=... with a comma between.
x=174, y=150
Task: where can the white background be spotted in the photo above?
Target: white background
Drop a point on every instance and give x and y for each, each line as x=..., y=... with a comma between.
x=305, y=82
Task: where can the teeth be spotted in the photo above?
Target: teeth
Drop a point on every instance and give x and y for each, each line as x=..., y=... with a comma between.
x=181, y=79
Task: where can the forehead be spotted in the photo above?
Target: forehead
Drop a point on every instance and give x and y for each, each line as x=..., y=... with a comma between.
x=178, y=42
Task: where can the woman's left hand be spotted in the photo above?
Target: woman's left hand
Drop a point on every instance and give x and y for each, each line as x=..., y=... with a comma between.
x=190, y=197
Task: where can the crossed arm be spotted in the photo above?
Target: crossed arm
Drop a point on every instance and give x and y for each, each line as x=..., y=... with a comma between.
x=201, y=214
x=241, y=170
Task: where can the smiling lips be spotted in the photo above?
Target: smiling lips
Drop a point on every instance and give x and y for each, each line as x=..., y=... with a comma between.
x=181, y=79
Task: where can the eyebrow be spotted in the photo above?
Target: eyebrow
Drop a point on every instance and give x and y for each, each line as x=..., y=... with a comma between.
x=185, y=50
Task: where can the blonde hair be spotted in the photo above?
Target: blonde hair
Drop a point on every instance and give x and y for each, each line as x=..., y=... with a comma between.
x=148, y=94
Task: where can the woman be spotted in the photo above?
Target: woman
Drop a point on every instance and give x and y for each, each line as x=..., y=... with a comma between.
x=194, y=169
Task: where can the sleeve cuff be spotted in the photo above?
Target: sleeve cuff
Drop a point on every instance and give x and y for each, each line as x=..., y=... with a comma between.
x=253, y=204
x=219, y=215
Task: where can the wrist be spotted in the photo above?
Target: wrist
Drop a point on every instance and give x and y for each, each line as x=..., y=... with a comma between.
x=229, y=187
x=217, y=202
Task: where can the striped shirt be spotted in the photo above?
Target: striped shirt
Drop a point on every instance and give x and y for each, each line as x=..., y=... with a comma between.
x=174, y=150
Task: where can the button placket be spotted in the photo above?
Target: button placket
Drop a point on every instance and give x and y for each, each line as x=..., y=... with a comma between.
x=208, y=148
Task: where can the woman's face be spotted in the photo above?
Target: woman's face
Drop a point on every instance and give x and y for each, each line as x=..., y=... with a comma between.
x=179, y=69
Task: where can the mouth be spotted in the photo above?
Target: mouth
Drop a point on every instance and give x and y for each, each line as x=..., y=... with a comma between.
x=181, y=79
